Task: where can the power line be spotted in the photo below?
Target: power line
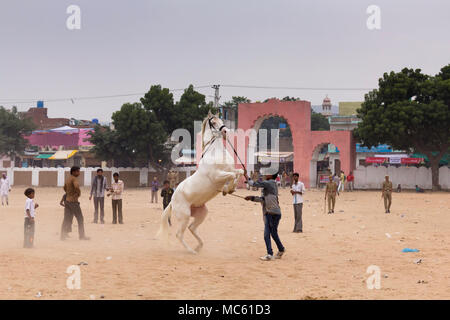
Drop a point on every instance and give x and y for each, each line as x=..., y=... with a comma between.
x=73, y=99
x=294, y=88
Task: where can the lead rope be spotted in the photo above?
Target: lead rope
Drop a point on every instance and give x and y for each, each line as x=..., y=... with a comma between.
x=209, y=145
x=243, y=166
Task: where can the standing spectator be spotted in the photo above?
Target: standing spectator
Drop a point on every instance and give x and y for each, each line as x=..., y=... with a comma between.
x=336, y=180
x=290, y=178
x=5, y=188
x=278, y=180
x=98, y=190
x=283, y=179
x=73, y=193
x=297, y=191
x=116, y=191
x=341, y=181
x=166, y=194
x=30, y=207
x=330, y=193
x=386, y=194
x=155, y=188
x=350, y=180
x=66, y=228
x=173, y=178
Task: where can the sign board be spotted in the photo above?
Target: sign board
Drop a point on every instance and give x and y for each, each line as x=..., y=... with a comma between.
x=378, y=160
x=412, y=160
x=323, y=178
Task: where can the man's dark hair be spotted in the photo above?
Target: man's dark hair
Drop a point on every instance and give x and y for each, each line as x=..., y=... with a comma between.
x=296, y=174
x=74, y=169
x=115, y=174
x=99, y=170
x=274, y=176
x=28, y=192
x=166, y=182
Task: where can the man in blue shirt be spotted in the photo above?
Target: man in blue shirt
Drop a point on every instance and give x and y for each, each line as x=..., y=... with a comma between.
x=155, y=188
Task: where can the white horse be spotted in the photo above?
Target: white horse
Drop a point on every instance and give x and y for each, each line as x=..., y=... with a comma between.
x=216, y=173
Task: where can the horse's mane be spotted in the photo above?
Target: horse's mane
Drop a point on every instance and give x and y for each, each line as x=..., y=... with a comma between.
x=203, y=132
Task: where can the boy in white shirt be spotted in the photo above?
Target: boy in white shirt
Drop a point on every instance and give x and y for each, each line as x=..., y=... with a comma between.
x=297, y=191
x=5, y=188
x=30, y=208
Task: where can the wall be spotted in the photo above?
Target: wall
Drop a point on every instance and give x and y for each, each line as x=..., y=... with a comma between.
x=372, y=177
x=5, y=162
x=55, y=177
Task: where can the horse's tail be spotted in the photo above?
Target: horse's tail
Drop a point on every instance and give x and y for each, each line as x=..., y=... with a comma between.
x=163, y=231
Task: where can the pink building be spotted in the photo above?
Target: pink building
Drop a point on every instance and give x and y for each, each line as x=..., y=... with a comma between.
x=306, y=143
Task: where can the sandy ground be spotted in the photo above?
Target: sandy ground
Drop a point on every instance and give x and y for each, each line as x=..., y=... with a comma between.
x=328, y=261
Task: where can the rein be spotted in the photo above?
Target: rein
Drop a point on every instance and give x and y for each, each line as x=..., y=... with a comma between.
x=209, y=144
x=234, y=195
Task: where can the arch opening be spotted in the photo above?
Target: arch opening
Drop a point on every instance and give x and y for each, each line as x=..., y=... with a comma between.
x=274, y=146
x=325, y=161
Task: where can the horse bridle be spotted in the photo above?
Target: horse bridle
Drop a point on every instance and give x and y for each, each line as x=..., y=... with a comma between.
x=212, y=126
x=209, y=143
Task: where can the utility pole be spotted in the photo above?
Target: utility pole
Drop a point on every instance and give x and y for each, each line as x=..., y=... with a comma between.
x=216, y=88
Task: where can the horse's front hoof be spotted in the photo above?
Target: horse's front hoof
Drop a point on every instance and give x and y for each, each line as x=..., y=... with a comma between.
x=224, y=193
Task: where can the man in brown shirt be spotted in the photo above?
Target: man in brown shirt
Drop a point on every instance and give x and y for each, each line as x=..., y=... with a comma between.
x=73, y=192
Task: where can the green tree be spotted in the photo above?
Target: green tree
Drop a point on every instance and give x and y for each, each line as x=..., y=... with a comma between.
x=160, y=101
x=409, y=111
x=234, y=103
x=287, y=98
x=319, y=122
x=13, y=128
x=108, y=146
x=191, y=107
x=141, y=130
x=138, y=137
x=235, y=100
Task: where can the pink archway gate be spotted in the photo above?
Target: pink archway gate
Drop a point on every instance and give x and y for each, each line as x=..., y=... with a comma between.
x=298, y=115
x=304, y=141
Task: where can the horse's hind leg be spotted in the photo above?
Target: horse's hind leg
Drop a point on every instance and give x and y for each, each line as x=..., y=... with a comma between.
x=199, y=215
x=180, y=233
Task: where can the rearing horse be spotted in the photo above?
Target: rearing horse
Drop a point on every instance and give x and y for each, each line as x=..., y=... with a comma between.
x=216, y=173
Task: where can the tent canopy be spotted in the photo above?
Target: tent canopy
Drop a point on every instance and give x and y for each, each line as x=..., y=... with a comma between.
x=185, y=160
x=65, y=129
x=44, y=156
x=63, y=155
x=272, y=156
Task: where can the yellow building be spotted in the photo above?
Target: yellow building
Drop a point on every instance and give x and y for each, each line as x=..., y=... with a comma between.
x=348, y=108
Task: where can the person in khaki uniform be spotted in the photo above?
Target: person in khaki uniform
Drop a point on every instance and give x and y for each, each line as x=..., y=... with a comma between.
x=330, y=191
x=386, y=194
x=173, y=178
